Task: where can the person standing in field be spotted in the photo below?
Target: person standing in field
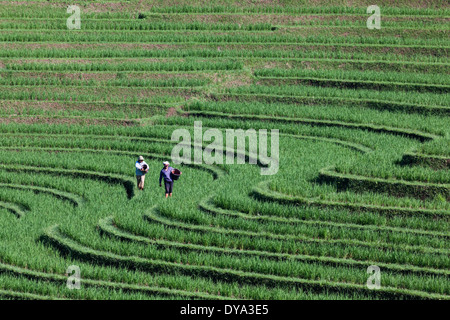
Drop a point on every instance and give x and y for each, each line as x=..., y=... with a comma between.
x=141, y=170
x=168, y=182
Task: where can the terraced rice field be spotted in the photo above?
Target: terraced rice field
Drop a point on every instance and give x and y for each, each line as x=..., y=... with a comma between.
x=364, y=129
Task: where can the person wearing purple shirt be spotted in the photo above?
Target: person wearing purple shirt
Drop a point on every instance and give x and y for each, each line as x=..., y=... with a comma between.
x=168, y=182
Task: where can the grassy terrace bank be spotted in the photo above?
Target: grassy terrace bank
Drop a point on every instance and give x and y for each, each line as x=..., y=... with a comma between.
x=364, y=150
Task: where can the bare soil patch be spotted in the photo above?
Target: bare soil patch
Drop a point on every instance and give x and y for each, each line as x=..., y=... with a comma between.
x=171, y=112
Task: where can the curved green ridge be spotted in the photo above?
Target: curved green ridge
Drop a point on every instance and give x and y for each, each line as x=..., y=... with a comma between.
x=111, y=178
x=436, y=162
x=360, y=102
x=349, y=144
x=361, y=84
x=253, y=158
x=263, y=192
x=108, y=227
x=397, y=187
x=32, y=274
x=25, y=295
x=207, y=205
x=75, y=199
x=14, y=208
x=215, y=171
x=413, y=134
x=153, y=216
x=68, y=246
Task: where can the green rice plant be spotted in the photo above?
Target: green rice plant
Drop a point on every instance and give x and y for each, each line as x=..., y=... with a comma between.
x=174, y=82
x=65, y=243
x=433, y=161
x=354, y=79
x=440, y=147
x=427, y=99
x=196, y=38
x=286, y=53
x=78, y=106
x=174, y=66
x=216, y=8
x=136, y=25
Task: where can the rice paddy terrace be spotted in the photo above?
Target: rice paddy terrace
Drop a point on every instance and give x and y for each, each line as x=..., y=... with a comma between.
x=364, y=174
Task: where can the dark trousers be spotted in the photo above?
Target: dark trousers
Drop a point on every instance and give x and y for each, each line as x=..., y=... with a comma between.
x=169, y=186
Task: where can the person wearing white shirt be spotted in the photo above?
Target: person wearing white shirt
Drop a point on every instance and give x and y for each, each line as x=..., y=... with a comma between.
x=141, y=170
